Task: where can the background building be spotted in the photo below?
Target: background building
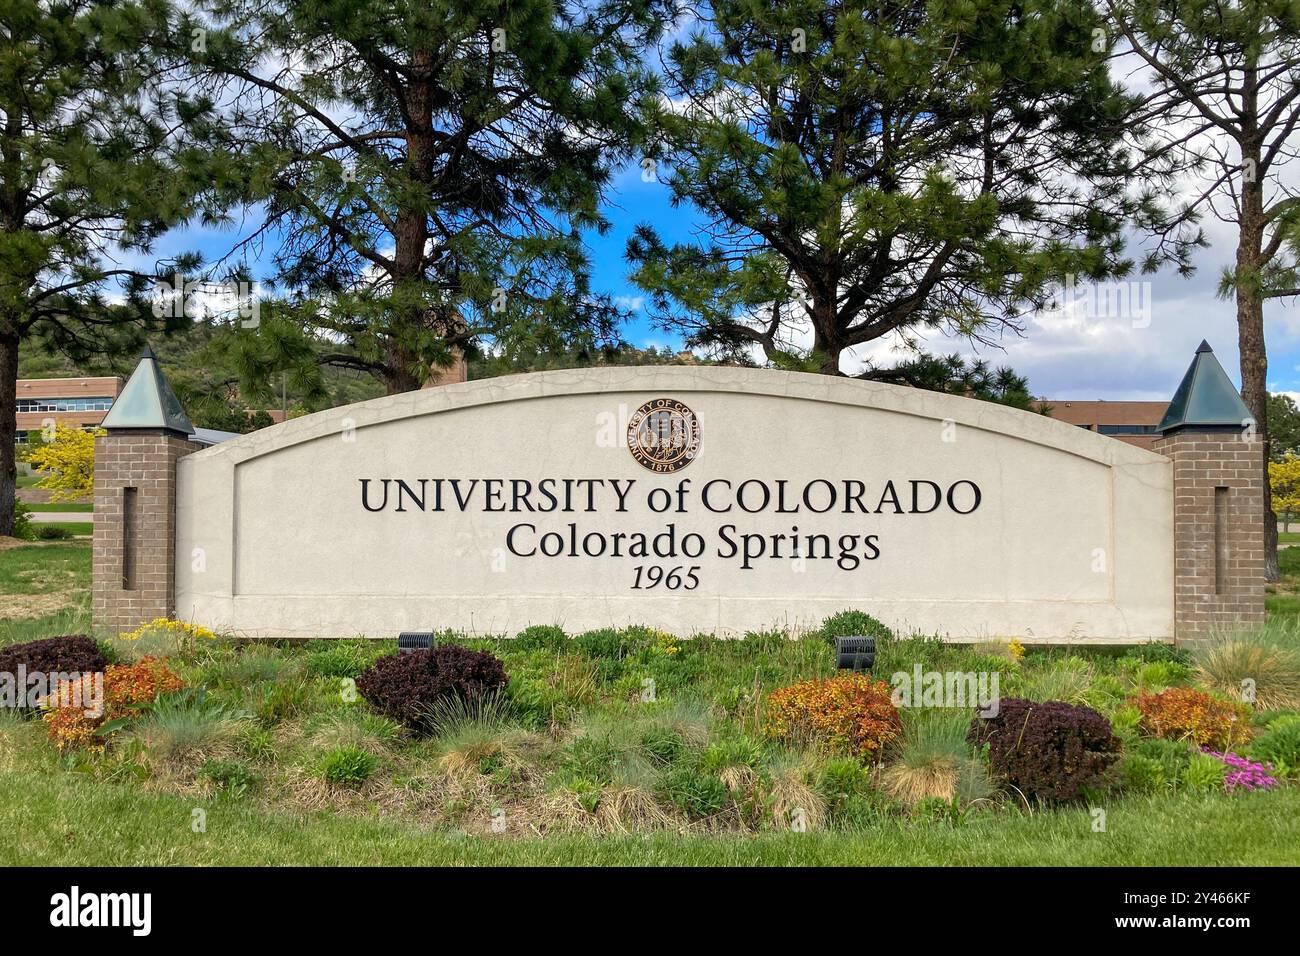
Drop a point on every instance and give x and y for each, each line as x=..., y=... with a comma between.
x=78, y=402
x=1131, y=422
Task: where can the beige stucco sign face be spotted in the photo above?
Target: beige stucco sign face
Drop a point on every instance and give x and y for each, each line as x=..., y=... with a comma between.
x=594, y=498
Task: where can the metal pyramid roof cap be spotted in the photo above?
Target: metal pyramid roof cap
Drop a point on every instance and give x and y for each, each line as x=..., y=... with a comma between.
x=148, y=401
x=1206, y=397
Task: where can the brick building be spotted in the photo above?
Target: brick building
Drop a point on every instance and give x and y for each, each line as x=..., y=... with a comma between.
x=78, y=402
x=1136, y=423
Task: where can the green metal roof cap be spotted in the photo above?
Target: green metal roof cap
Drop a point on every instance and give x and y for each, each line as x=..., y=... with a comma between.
x=1205, y=397
x=148, y=401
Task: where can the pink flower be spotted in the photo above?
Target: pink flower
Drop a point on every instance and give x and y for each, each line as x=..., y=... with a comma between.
x=1245, y=774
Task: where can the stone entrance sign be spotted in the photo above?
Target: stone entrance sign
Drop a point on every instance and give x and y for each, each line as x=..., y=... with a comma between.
x=692, y=499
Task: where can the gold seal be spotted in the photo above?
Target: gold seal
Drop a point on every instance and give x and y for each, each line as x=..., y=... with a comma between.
x=664, y=435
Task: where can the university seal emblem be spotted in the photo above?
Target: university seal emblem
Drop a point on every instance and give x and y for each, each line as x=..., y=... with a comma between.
x=664, y=435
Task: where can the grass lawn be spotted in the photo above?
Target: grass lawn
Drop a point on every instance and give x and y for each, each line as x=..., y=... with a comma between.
x=43, y=581
x=1282, y=600
x=61, y=820
x=66, y=507
x=289, y=766
x=78, y=529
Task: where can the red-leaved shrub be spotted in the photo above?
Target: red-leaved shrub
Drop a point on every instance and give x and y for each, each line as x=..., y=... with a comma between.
x=1049, y=751
x=66, y=654
x=407, y=687
x=851, y=711
x=1184, y=713
x=127, y=688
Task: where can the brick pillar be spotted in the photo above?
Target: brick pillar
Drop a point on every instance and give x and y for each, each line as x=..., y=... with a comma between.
x=1218, y=530
x=134, y=554
x=456, y=372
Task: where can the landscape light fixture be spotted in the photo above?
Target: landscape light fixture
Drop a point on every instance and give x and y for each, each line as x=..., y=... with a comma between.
x=855, y=653
x=410, y=641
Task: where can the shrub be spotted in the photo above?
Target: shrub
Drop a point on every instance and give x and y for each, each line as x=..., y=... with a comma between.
x=604, y=643
x=1204, y=773
x=22, y=522
x=348, y=766
x=1172, y=755
x=162, y=637
x=1050, y=751
x=1184, y=713
x=851, y=711
x=542, y=637
x=48, y=531
x=853, y=624
x=405, y=687
x=1279, y=745
x=66, y=654
x=1139, y=774
x=128, y=688
x=1268, y=657
x=845, y=789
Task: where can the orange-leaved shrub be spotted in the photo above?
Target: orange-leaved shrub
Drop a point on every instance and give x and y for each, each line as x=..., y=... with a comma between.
x=127, y=689
x=851, y=711
x=1184, y=713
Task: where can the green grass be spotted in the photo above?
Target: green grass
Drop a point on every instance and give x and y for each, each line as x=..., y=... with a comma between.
x=62, y=820
x=27, y=481
x=45, y=568
x=1288, y=537
x=65, y=507
x=78, y=528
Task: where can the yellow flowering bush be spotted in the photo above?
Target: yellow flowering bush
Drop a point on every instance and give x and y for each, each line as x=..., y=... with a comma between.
x=162, y=637
x=166, y=625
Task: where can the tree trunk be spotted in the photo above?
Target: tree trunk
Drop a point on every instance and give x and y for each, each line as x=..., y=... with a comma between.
x=826, y=339
x=8, y=430
x=1250, y=343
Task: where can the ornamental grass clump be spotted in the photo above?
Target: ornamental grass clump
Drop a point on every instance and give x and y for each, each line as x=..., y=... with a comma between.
x=1184, y=713
x=851, y=712
x=935, y=762
x=1261, y=664
x=410, y=688
x=1049, y=751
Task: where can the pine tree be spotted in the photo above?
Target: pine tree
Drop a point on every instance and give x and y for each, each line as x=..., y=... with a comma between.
x=97, y=160
x=1226, y=92
x=872, y=167
x=427, y=167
